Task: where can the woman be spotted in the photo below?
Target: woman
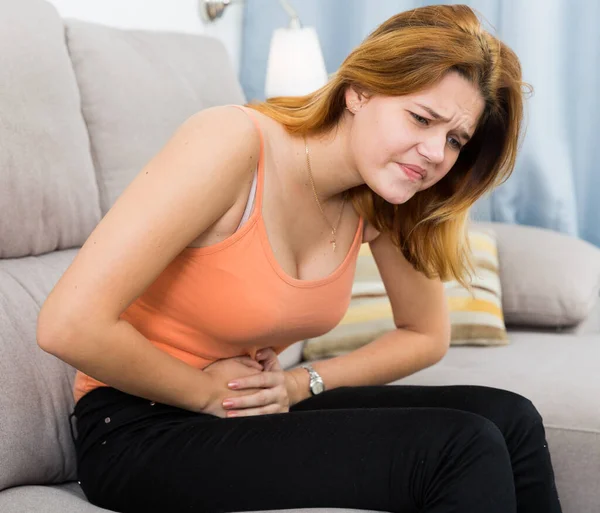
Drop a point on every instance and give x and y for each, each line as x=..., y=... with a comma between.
x=240, y=238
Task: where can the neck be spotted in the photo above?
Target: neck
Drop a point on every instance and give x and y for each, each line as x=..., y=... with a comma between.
x=331, y=161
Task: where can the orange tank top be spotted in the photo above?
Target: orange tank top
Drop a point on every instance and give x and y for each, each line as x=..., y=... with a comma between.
x=233, y=298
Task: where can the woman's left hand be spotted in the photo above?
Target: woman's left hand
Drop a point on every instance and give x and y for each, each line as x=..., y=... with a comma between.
x=274, y=396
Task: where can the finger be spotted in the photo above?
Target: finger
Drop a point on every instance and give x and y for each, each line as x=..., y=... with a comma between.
x=258, y=399
x=269, y=360
x=264, y=410
x=273, y=365
x=264, y=354
x=265, y=379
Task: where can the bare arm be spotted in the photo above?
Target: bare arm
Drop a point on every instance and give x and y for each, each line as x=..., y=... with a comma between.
x=190, y=184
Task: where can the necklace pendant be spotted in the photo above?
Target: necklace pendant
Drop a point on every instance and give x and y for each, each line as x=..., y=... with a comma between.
x=332, y=244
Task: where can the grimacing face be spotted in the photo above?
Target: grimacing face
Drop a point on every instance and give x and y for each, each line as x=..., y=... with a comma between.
x=405, y=144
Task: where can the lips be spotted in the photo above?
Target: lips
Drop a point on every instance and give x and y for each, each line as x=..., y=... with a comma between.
x=415, y=169
x=413, y=173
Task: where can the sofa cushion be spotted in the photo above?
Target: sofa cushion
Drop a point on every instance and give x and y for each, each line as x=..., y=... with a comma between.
x=558, y=372
x=137, y=87
x=35, y=387
x=48, y=181
x=65, y=498
x=476, y=316
x=548, y=279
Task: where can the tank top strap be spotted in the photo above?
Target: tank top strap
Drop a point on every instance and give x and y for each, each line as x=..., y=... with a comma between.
x=260, y=165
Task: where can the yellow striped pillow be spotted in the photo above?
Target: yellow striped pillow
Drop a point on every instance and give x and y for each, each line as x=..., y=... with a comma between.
x=475, y=320
x=476, y=317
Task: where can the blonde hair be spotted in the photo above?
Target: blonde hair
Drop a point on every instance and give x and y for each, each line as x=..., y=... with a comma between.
x=410, y=52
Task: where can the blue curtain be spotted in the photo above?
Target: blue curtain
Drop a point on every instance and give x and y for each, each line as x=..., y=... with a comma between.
x=556, y=182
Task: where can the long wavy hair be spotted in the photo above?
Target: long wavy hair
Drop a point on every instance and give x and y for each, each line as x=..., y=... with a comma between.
x=408, y=53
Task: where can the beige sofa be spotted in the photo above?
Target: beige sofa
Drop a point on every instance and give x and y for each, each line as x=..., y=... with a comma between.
x=82, y=108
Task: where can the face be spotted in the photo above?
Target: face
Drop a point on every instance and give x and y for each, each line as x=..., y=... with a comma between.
x=405, y=144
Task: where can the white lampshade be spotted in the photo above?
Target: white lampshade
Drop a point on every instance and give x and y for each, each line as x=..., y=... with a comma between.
x=296, y=66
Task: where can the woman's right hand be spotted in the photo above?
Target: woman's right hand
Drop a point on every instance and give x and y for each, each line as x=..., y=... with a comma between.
x=223, y=371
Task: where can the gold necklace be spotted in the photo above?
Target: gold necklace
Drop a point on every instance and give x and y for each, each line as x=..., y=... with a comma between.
x=312, y=182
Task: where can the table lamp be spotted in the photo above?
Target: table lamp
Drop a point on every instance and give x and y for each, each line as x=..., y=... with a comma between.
x=295, y=66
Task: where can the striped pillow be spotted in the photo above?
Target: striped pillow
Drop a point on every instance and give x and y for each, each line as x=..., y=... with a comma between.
x=476, y=317
x=475, y=320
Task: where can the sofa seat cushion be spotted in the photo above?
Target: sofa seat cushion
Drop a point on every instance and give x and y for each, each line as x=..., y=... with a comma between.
x=559, y=374
x=64, y=498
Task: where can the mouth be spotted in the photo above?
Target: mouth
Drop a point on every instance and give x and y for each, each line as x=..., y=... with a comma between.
x=414, y=173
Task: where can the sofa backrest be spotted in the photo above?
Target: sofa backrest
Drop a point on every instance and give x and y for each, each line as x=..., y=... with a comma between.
x=136, y=88
x=48, y=194
x=82, y=108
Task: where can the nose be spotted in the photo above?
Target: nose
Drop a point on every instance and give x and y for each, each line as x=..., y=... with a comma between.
x=432, y=148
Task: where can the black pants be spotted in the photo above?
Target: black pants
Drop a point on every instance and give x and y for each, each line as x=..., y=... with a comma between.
x=405, y=449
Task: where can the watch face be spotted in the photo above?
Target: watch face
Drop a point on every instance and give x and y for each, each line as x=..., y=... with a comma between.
x=318, y=387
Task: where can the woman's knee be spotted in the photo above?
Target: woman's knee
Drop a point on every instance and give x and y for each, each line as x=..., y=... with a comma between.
x=503, y=407
x=477, y=434
x=463, y=433
x=470, y=451
x=522, y=408
x=515, y=408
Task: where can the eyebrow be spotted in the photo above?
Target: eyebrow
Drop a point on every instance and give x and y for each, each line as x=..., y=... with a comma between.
x=437, y=117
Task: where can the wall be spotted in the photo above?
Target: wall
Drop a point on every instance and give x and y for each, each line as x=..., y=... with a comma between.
x=179, y=16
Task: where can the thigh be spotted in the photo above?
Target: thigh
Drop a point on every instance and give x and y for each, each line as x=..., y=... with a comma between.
x=385, y=459
x=508, y=410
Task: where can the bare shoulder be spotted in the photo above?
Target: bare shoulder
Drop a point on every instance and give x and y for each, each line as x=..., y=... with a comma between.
x=229, y=125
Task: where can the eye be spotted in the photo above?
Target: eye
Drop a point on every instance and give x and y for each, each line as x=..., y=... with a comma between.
x=454, y=143
x=420, y=119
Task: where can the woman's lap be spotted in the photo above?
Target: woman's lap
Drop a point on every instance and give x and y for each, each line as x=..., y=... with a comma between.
x=488, y=402
x=507, y=410
x=339, y=449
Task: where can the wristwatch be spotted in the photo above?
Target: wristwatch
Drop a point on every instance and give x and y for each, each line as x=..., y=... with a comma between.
x=316, y=384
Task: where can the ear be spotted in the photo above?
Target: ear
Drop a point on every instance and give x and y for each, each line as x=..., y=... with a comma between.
x=355, y=99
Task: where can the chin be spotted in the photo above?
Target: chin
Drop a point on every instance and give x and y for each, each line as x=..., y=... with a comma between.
x=397, y=197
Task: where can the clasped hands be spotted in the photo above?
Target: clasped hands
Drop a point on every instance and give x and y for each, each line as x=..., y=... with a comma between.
x=247, y=387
